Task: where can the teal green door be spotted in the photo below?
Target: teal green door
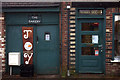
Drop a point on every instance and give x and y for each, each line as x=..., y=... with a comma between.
x=89, y=46
x=13, y=44
x=47, y=49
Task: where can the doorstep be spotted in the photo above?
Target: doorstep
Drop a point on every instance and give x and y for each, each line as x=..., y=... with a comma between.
x=36, y=77
x=57, y=77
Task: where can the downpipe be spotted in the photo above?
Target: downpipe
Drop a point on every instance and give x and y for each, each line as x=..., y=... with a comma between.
x=68, y=71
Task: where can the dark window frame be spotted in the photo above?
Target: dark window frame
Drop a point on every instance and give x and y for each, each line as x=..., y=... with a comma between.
x=113, y=35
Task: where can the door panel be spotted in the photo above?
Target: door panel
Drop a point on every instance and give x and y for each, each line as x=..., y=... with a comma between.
x=47, y=49
x=14, y=44
x=90, y=46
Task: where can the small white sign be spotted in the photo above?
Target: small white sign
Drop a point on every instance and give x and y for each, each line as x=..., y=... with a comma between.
x=96, y=52
x=14, y=59
x=95, y=39
x=68, y=7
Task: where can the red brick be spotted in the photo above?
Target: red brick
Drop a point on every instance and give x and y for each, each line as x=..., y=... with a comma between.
x=108, y=55
x=108, y=60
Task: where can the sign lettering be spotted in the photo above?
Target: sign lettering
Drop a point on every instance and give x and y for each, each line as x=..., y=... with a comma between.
x=26, y=35
x=34, y=19
x=27, y=44
x=29, y=56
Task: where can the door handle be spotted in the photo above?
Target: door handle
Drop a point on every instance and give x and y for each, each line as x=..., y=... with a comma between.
x=100, y=46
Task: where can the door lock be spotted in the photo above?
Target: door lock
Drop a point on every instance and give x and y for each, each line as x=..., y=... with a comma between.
x=101, y=46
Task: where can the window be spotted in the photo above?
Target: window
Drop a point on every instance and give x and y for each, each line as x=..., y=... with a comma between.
x=90, y=26
x=47, y=36
x=117, y=37
x=90, y=39
x=90, y=51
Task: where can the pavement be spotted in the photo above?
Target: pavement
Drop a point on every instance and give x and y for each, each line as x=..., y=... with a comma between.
x=57, y=77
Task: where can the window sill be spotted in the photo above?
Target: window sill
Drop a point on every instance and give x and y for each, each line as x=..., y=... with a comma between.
x=115, y=60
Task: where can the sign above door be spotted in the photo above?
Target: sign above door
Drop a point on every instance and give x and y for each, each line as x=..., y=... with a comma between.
x=34, y=19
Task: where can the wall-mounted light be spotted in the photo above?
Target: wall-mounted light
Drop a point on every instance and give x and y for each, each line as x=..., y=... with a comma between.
x=68, y=7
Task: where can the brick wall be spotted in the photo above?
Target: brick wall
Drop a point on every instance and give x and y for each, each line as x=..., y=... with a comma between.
x=72, y=47
x=111, y=68
x=64, y=37
x=64, y=17
x=2, y=41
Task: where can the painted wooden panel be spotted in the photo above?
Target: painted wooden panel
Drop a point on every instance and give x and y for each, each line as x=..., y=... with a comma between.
x=27, y=36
